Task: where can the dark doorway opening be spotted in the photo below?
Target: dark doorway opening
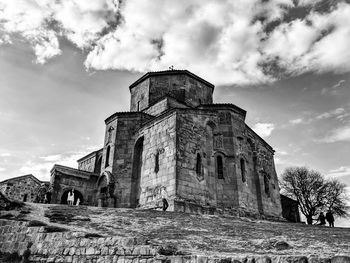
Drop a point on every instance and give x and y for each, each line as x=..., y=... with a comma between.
x=136, y=174
x=25, y=197
x=77, y=195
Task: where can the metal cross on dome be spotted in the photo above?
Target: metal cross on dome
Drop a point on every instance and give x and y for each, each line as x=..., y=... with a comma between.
x=171, y=67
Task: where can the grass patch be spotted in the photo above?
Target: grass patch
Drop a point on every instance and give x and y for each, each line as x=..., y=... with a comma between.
x=34, y=223
x=7, y=216
x=10, y=257
x=90, y=235
x=51, y=229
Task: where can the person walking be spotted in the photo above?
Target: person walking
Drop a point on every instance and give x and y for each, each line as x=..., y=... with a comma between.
x=330, y=218
x=78, y=202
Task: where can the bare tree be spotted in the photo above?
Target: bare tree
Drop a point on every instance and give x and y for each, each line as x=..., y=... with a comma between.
x=337, y=198
x=313, y=192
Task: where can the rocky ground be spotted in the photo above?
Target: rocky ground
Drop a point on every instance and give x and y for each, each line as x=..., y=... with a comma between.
x=187, y=234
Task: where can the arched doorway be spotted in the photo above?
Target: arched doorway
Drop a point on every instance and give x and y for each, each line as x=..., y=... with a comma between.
x=105, y=190
x=136, y=174
x=77, y=195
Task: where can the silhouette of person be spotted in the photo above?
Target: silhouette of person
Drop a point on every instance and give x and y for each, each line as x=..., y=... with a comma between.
x=321, y=219
x=330, y=218
x=78, y=202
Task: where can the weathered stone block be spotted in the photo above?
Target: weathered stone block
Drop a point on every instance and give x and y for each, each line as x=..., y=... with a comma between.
x=340, y=259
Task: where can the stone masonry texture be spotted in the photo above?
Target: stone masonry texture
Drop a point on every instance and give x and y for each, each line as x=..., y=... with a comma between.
x=22, y=188
x=175, y=143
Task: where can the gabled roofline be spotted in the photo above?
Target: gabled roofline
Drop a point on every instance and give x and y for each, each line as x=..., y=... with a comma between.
x=170, y=72
x=89, y=154
x=262, y=140
x=23, y=176
x=74, y=170
x=223, y=106
x=127, y=113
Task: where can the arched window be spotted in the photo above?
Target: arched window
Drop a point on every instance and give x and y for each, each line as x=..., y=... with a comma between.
x=199, y=164
x=107, y=155
x=156, y=165
x=219, y=167
x=267, y=184
x=244, y=179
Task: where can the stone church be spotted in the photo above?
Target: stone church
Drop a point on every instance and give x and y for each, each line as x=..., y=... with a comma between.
x=175, y=143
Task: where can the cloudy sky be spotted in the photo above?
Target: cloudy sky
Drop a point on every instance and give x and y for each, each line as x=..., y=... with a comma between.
x=66, y=65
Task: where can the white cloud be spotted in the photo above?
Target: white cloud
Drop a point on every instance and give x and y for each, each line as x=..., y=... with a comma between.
x=296, y=121
x=52, y=158
x=335, y=89
x=337, y=135
x=41, y=168
x=335, y=112
x=264, y=129
x=5, y=154
x=2, y=169
x=281, y=152
x=318, y=43
x=222, y=40
x=339, y=172
x=5, y=39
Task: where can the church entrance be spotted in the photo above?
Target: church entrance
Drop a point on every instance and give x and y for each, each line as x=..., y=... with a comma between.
x=77, y=195
x=136, y=174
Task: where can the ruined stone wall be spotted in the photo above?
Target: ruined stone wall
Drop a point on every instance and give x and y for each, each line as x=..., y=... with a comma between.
x=158, y=162
x=62, y=182
x=21, y=189
x=182, y=87
x=77, y=247
x=140, y=96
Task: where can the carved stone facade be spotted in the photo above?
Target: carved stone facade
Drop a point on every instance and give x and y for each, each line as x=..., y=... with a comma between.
x=175, y=143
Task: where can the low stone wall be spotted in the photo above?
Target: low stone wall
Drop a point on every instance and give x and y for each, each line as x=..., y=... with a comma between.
x=76, y=247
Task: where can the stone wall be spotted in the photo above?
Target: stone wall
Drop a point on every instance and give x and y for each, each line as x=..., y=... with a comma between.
x=23, y=188
x=76, y=247
x=158, y=161
x=64, y=179
x=182, y=87
x=140, y=96
x=163, y=105
x=247, y=163
x=199, y=137
x=121, y=136
x=91, y=162
x=157, y=108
